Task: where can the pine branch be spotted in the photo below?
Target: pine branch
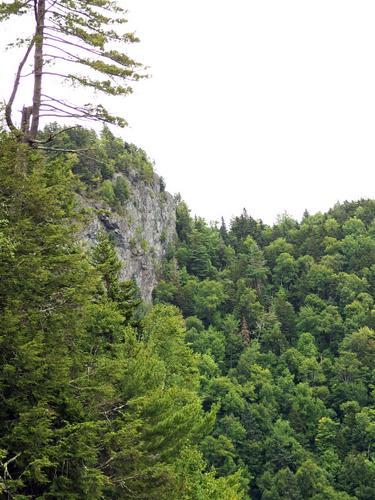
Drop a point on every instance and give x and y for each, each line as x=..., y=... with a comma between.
x=51, y=107
x=75, y=32
x=57, y=39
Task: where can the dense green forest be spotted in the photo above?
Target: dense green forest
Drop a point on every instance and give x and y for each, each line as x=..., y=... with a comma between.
x=251, y=376
x=99, y=398
x=283, y=318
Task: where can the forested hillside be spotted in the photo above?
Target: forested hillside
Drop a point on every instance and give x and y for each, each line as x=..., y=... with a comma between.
x=99, y=398
x=251, y=372
x=119, y=188
x=283, y=320
x=251, y=376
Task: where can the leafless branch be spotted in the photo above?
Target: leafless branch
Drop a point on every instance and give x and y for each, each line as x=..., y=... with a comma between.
x=62, y=150
x=51, y=73
x=27, y=74
x=52, y=136
x=51, y=107
x=56, y=47
x=50, y=98
x=5, y=466
x=9, y=105
x=66, y=115
x=62, y=58
x=51, y=6
x=55, y=38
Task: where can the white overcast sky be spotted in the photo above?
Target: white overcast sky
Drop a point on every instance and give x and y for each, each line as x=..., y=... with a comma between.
x=267, y=104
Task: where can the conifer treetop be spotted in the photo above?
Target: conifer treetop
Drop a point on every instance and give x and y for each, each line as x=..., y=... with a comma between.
x=77, y=42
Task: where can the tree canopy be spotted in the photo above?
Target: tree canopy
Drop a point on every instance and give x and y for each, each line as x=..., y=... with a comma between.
x=283, y=317
x=251, y=376
x=98, y=399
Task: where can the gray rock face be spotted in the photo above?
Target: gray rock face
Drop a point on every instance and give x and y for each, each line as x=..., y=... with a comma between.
x=142, y=229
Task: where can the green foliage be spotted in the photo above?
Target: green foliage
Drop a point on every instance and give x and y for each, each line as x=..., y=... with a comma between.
x=96, y=401
x=193, y=484
x=264, y=391
x=107, y=192
x=283, y=319
x=106, y=261
x=101, y=160
x=121, y=189
x=64, y=34
x=183, y=222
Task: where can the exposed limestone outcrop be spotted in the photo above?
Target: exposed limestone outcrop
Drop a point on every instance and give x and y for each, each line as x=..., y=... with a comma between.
x=142, y=228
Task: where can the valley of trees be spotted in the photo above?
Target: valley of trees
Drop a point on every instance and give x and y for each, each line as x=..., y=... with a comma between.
x=251, y=376
x=283, y=318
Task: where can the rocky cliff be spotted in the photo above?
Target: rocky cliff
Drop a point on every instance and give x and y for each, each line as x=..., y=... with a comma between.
x=142, y=228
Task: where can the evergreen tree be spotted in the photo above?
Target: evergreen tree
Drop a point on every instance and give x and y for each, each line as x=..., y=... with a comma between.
x=45, y=287
x=66, y=34
x=296, y=403
x=106, y=261
x=91, y=407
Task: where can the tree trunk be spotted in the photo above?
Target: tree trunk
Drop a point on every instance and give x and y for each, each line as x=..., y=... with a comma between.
x=25, y=122
x=38, y=66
